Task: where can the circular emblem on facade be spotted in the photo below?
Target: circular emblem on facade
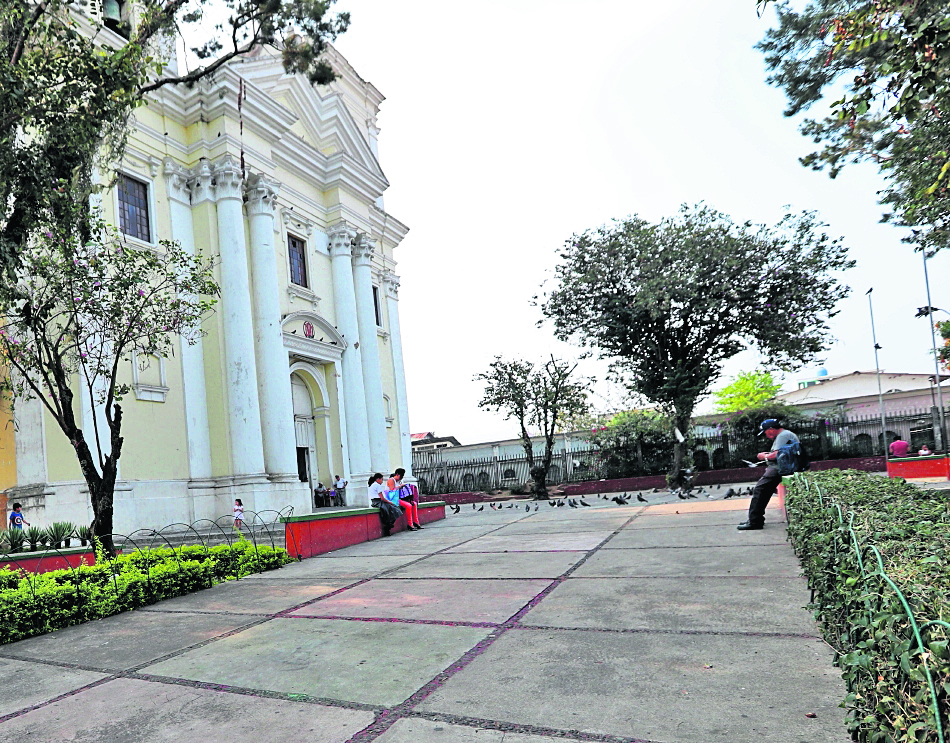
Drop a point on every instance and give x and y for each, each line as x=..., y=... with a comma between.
x=308, y=329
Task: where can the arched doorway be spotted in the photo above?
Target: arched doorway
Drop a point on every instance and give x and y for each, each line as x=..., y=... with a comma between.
x=311, y=426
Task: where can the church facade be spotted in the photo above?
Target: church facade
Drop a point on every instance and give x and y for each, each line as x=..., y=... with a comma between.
x=299, y=374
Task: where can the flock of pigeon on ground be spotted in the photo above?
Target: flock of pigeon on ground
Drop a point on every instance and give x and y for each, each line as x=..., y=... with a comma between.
x=621, y=500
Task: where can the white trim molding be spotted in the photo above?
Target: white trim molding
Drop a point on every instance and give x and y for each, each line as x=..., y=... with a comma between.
x=149, y=392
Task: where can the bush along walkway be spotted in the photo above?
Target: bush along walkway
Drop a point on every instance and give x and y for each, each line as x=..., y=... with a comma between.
x=876, y=553
x=35, y=604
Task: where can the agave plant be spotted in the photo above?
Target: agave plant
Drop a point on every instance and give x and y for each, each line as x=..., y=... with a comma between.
x=84, y=534
x=34, y=536
x=70, y=533
x=3, y=540
x=15, y=538
x=57, y=532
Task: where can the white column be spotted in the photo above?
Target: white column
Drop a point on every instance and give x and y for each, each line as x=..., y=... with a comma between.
x=178, y=183
x=273, y=367
x=369, y=345
x=391, y=286
x=244, y=415
x=344, y=301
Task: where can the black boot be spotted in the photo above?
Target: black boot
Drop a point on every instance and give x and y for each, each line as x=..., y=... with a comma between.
x=746, y=526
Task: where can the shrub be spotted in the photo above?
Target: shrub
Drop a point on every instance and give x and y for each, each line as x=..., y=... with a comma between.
x=860, y=533
x=35, y=604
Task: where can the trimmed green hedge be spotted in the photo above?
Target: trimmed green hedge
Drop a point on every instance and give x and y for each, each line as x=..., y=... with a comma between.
x=35, y=604
x=845, y=526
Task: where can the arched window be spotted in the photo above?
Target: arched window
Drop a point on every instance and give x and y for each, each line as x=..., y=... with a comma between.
x=484, y=481
x=468, y=482
x=508, y=474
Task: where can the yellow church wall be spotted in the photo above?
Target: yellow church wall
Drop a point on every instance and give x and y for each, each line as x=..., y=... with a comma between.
x=61, y=462
x=7, y=448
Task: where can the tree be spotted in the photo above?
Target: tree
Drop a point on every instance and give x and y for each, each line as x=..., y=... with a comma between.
x=747, y=390
x=670, y=302
x=68, y=88
x=892, y=58
x=82, y=309
x=543, y=396
x=632, y=443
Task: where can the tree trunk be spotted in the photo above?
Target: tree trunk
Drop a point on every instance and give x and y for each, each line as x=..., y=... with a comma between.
x=540, y=476
x=675, y=478
x=101, y=487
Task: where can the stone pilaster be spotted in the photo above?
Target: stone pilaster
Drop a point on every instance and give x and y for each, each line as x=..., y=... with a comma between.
x=273, y=368
x=244, y=417
x=342, y=237
x=391, y=287
x=369, y=345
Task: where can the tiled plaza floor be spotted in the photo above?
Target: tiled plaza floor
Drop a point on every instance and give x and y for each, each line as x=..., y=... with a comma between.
x=618, y=624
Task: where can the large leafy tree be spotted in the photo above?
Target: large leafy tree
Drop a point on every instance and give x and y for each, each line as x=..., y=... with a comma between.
x=670, y=302
x=542, y=396
x=68, y=88
x=886, y=66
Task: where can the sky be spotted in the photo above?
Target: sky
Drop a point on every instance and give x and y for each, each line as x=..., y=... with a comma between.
x=509, y=126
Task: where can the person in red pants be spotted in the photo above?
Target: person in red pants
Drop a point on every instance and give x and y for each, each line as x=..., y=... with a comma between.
x=406, y=501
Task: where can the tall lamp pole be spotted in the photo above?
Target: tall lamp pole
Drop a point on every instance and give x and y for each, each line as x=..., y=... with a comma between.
x=877, y=369
x=933, y=341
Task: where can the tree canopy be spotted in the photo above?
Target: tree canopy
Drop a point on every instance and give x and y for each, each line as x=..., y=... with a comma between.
x=746, y=390
x=886, y=65
x=669, y=302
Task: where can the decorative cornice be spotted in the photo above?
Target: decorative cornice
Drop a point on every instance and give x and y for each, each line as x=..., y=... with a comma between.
x=261, y=193
x=228, y=180
x=391, y=285
x=363, y=250
x=202, y=182
x=178, y=181
x=342, y=237
x=296, y=222
x=294, y=292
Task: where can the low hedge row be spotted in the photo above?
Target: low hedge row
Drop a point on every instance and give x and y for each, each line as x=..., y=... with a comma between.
x=35, y=604
x=890, y=698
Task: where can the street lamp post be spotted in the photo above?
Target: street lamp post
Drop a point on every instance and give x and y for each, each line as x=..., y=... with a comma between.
x=933, y=341
x=877, y=369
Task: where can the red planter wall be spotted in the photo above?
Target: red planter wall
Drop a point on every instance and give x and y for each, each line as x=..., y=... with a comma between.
x=919, y=467
x=47, y=562
x=306, y=538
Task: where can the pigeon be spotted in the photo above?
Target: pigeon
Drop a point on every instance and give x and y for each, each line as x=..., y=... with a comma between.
x=642, y=499
x=552, y=504
x=681, y=495
x=536, y=506
x=718, y=487
x=619, y=501
x=456, y=509
x=482, y=508
x=527, y=507
x=656, y=490
x=560, y=503
x=730, y=493
x=572, y=504
x=491, y=506
x=586, y=505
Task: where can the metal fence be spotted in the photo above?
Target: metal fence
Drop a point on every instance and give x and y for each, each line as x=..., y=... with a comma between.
x=831, y=438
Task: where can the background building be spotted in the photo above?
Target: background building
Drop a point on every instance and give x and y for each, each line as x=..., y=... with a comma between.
x=300, y=373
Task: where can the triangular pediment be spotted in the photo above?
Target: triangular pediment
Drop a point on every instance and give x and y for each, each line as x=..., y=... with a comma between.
x=325, y=122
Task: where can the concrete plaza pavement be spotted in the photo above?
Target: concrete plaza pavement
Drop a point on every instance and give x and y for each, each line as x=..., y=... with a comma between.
x=618, y=624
